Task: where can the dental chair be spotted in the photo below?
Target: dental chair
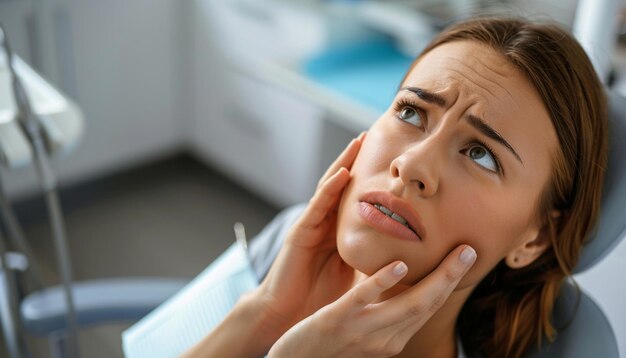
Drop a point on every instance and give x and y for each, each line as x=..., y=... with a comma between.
x=586, y=331
x=583, y=329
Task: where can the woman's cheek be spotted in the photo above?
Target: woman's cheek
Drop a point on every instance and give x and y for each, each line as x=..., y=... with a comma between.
x=379, y=149
x=371, y=160
x=482, y=223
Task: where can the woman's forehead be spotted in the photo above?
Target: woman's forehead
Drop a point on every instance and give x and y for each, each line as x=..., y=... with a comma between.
x=464, y=67
x=475, y=74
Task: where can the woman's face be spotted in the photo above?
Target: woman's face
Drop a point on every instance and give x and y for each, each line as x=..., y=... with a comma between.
x=463, y=154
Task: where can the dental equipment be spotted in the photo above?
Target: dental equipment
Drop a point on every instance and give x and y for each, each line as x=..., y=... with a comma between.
x=17, y=239
x=30, y=123
x=595, y=27
x=242, y=241
x=240, y=236
x=9, y=305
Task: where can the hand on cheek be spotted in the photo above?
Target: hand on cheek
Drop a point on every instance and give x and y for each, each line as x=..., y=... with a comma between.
x=307, y=273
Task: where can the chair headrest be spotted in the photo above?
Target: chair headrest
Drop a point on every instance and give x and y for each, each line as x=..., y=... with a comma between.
x=611, y=226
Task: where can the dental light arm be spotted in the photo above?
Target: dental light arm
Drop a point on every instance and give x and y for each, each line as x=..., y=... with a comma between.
x=59, y=118
x=31, y=125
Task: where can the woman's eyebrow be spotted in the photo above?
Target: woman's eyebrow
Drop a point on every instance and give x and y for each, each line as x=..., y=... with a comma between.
x=474, y=121
x=484, y=128
x=426, y=96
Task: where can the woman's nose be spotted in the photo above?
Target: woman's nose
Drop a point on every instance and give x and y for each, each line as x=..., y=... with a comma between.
x=417, y=168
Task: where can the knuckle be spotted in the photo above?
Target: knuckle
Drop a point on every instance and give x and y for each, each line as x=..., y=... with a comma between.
x=451, y=275
x=356, y=340
x=417, y=309
x=325, y=183
x=380, y=283
x=438, y=303
x=358, y=297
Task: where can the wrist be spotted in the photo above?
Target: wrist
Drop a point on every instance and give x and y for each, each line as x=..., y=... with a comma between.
x=267, y=326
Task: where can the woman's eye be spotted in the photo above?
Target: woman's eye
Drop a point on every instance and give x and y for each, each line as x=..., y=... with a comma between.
x=481, y=155
x=410, y=115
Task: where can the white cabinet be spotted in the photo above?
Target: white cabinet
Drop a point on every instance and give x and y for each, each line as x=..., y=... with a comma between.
x=261, y=135
x=265, y=138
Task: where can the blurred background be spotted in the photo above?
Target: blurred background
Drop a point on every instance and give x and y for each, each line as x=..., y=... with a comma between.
x=201, y=113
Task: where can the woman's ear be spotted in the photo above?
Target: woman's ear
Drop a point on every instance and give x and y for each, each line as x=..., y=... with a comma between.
x=529, y=250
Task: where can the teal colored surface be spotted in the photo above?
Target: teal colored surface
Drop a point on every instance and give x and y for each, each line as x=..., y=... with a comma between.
x=368, y=72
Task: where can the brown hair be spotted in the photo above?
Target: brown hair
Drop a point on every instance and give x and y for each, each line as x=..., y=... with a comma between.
x=510, y=310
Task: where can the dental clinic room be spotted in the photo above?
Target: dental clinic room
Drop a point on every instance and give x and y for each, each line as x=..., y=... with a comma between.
x=312, y=178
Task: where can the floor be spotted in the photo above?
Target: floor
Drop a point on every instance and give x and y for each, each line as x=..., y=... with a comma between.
x=168, y=219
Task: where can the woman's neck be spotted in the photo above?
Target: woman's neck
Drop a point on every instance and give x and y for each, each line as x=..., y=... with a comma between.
x=436, y=337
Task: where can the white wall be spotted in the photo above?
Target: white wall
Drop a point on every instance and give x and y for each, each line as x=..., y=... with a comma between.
x=127, y=66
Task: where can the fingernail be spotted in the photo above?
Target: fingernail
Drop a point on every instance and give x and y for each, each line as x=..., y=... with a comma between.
x=360, y=137
x=399, y=269
x=468, y=255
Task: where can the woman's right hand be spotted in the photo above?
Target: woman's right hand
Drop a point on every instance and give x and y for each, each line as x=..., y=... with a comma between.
x=308, y=272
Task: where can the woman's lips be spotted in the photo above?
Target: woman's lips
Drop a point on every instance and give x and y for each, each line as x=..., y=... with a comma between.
x=384, y=223
x=398, y=206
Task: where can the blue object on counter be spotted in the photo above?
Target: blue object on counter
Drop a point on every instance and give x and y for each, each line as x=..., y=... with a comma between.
x=367, y=72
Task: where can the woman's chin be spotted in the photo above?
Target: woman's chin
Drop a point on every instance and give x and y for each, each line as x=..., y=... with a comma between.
x=363, y=253
x=368, y=254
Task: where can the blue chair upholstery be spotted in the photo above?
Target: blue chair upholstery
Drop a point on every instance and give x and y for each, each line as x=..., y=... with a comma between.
x=97, y=301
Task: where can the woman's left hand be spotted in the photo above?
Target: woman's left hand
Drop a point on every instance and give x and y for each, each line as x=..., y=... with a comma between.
x=355, y=326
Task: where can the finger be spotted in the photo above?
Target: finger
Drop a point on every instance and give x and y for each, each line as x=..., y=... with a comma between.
x=368, y=290
x=345, y=159
x=324, y=200
x=424, y=299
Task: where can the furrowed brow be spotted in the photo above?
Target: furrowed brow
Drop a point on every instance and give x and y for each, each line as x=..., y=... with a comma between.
x=426, y=96
x=484, y=128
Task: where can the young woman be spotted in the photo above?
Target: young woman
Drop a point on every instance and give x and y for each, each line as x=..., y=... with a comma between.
x=451, y=226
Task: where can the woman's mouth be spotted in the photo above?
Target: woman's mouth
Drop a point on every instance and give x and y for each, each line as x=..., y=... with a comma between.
x=387, y=221
x=391, y=215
